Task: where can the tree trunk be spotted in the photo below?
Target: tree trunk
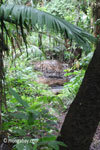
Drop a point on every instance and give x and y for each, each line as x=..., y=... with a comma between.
x=81, y=122
x=1, y=88
x=1, y=63
x=2, y=78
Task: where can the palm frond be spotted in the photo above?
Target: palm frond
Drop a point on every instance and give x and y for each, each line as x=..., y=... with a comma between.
x=23, y=15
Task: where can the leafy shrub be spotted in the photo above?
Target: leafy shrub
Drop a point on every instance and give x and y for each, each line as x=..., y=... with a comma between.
x=76, y=76
x=32, y=108
x=31, y=121
x=84, y=62
x=71, y=88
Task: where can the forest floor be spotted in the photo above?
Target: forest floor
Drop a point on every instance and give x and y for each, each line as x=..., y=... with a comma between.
x=96, y=140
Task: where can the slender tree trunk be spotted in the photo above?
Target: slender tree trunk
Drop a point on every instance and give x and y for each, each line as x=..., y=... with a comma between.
x=40, y=44
x=2, y=78
x=81, y=122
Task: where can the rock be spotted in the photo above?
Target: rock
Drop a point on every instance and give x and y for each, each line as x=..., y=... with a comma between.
x=51, y=68
x=56, y=89
x=53, y=73
x=52, y=81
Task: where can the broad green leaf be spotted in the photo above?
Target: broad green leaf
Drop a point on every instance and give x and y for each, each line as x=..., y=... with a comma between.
x=22, y=15
x=48, y=138
x=20, y=146
x=18, y=98
x=24, y=146
x=55, y=144
x=61, y=143
x=20, y=115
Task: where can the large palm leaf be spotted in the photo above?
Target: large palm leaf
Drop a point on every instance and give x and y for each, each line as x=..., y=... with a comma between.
x=27, y=16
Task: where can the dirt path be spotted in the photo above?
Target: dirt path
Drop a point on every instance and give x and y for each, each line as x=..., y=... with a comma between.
x=96, y=140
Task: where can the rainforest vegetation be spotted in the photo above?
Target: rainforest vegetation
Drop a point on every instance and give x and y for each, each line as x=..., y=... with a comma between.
x=49, y=75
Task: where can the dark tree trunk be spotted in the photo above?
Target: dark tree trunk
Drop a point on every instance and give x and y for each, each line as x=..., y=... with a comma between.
x=1, y=88
x=83, y=117
x=1, y=80
x=3, y=47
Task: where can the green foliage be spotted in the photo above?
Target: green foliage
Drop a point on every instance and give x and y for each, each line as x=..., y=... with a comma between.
x=32, y=122
x=32, y=108
x=76, y=76
x=74, y=11
x=84, y=62
x=58, y=8
x=25, y=105
x=49, y=143
x=71, y=88
x=30, y=17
